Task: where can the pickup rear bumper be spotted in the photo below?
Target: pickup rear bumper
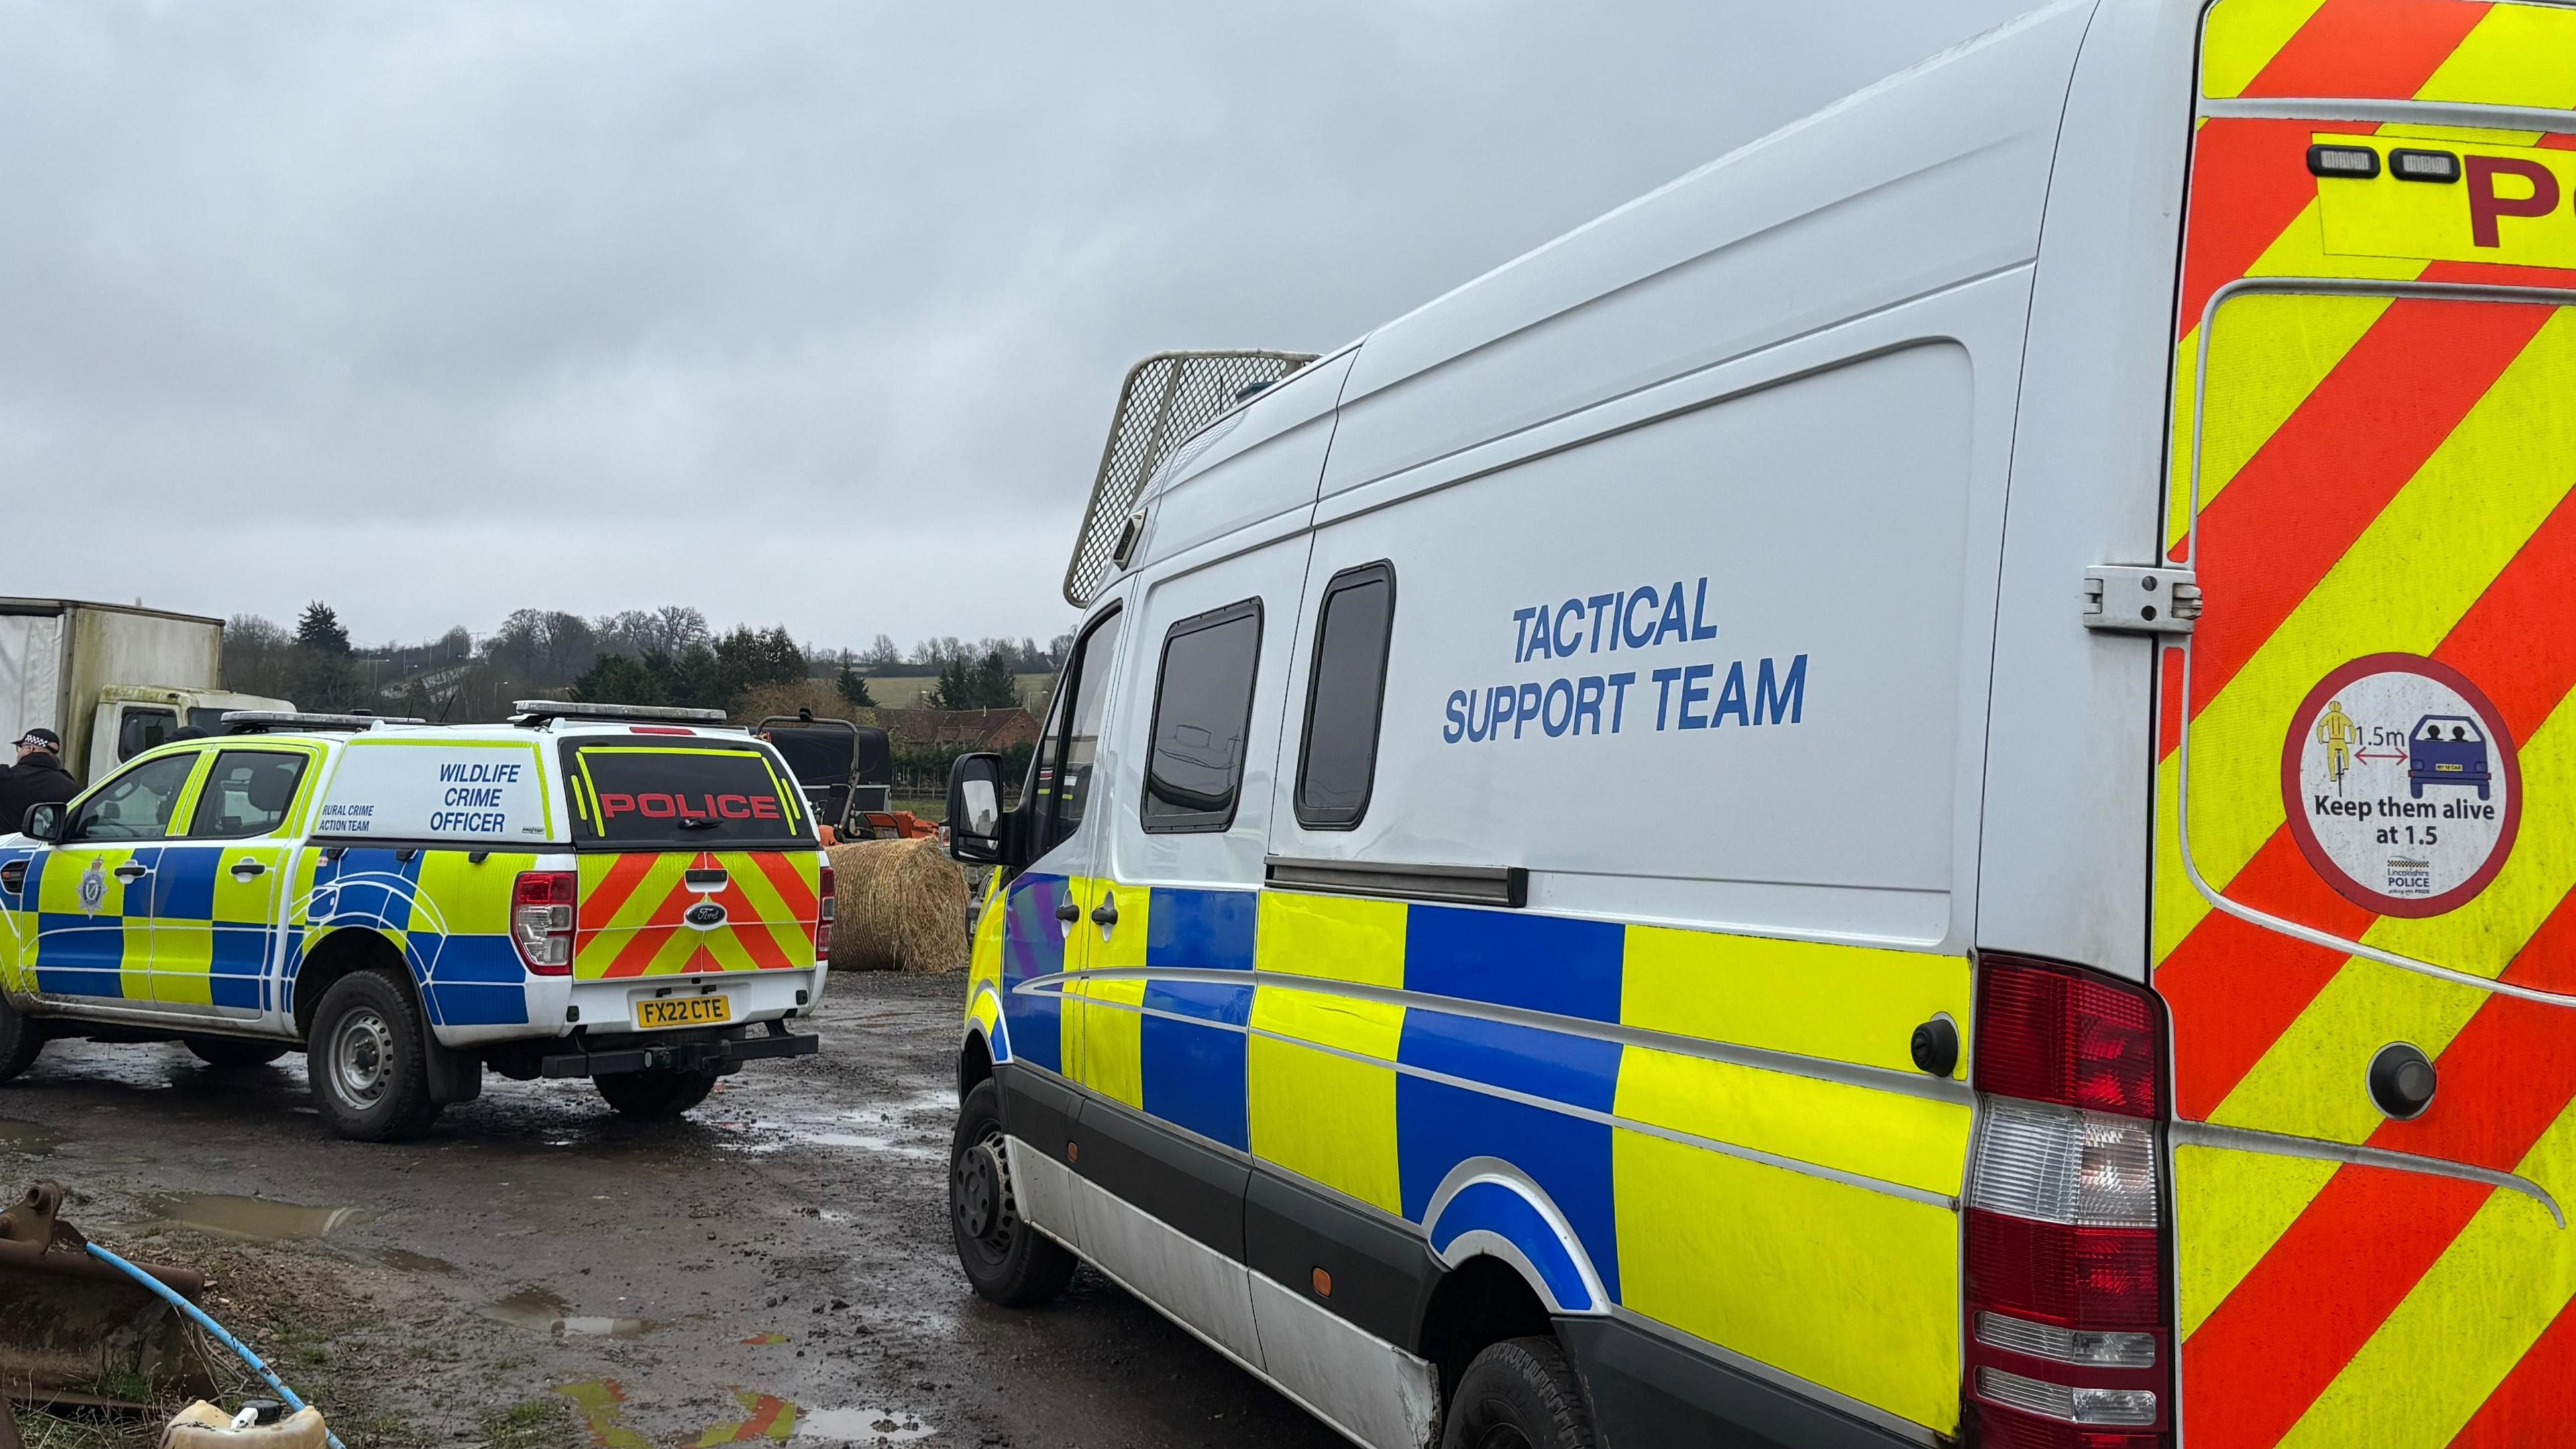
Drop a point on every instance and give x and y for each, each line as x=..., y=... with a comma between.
x=719, y=1055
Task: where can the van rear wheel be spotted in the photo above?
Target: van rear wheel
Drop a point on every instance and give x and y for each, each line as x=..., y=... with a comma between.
x=655, y=1094
x=1008, y=1261
x=369, y=1069
x=1520, y=1394
x=21, y=1037
x=232, y=1051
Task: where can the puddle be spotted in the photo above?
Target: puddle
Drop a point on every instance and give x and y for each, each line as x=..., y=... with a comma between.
x=251, y=1219
x=862, y=1426
x=544, y=1311
x=408, y=1262
x=26, y=1139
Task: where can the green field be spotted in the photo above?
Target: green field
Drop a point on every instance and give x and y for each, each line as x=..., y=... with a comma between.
x=904, y=691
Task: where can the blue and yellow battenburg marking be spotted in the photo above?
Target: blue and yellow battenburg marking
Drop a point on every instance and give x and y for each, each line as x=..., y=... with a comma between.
x=187, y=923
x=1362, y=1051
x=448, y=913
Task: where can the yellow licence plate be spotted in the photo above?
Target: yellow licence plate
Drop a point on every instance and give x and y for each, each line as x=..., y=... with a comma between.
x=683, y=1011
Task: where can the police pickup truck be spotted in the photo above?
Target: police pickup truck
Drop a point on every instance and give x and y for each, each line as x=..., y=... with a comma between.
x=631, y=895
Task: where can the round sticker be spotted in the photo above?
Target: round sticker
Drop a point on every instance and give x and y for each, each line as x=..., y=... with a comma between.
x=2402, y=785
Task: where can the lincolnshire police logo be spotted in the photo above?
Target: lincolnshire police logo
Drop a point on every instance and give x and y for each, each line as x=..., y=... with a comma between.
x=93, y=886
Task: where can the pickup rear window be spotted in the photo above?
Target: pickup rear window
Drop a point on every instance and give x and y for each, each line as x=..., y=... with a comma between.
x=683, y=795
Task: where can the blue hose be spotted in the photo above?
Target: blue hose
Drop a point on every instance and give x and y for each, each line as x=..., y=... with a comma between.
x=222, y=1335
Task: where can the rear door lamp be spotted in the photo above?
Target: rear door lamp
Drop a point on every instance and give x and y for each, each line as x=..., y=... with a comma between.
x=2065, y=1245
x=541, y=920
x=2346, y=163
x=824, y=914
x=2436, y=166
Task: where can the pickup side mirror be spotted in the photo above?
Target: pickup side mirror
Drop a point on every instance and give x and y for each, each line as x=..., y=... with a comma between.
x=975, y=810
x=44, y=822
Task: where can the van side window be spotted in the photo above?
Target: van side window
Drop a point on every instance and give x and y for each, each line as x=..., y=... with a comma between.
x=1337, y=763
x=144, y=729
x=246, y=795
x=1202, y=719
x=1061, y=773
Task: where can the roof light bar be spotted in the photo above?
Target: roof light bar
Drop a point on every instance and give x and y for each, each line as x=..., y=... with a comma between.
x=529, y=713
x=262, y=721
x=2344, y=163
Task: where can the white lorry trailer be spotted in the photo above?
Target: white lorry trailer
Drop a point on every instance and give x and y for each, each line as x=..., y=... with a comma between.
x=112, y=679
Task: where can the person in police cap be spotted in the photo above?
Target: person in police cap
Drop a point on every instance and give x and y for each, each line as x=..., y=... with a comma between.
x=37, y=779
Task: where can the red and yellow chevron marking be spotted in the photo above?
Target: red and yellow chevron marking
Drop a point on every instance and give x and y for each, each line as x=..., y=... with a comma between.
x=2377, y=474
x=633, y=917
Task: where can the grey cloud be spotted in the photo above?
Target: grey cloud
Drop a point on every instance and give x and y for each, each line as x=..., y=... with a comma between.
x=798, y=312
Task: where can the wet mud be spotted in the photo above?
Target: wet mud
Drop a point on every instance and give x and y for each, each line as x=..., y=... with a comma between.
x=775, y=1268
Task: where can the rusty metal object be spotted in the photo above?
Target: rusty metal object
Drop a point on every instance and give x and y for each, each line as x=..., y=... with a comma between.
x=72, y=1325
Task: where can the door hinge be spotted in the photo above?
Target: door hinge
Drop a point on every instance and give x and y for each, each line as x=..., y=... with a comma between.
x=2119, y=599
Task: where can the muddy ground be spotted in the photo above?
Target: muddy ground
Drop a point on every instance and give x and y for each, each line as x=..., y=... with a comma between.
x=540, y=1273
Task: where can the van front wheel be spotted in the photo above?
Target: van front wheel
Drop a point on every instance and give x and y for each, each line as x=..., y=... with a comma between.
x=369, y=1070
x=1008, y=1261
x=1519, y=1394
x=655, y=1094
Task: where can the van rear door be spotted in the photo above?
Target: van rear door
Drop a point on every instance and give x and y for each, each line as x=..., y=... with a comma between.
x=697, y=857
x=2366, y=791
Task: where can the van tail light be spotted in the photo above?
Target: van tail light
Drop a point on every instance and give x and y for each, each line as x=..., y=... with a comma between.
x=541, y=920
x=823, y=917
x=2068, y=1343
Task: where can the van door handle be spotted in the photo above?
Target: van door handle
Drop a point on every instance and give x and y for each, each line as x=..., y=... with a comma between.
x=1105, y=914
x=246, y=869
x=1067, y=911
x=131, y=872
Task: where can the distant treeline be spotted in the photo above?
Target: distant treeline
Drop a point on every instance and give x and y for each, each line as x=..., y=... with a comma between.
x=667, y=656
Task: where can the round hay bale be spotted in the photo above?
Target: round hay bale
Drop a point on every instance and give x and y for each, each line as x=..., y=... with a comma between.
x=899, y=905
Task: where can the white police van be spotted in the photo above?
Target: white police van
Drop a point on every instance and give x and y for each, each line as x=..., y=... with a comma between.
x=1919, y=790
x=632, y=895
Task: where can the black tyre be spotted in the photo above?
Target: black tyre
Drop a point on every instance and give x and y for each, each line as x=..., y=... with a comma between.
x=1007, y=1260
x=233, y=1051
x=656, y=1094
x=369, y=1070
x=21, y=1037
x=1519, y=1394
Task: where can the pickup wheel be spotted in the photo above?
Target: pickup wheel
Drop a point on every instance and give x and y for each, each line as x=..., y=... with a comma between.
x=369, y=1070
x=1007, y=1260
x=1519, y=1394
x=655, y=1094
x=21, y=1037
x=233, y=1051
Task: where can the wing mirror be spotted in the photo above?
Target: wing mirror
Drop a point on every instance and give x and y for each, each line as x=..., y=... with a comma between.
x=44, y=822
x=975, y=809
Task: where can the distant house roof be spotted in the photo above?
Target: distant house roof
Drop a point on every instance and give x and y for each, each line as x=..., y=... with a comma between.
x=962, y=729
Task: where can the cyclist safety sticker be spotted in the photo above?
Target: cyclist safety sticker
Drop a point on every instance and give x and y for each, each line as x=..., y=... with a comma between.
x=2402, y=785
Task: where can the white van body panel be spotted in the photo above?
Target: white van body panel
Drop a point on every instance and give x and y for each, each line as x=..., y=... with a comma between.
x=1929, y=179
x=2067, y=815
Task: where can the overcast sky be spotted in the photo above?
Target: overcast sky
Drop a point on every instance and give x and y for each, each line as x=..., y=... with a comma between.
x=798, y=312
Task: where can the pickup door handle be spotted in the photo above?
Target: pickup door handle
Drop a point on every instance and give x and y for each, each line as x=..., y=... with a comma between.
x=1068, y=911
x=245, y=869
x=1106, y=913
x=131, y=872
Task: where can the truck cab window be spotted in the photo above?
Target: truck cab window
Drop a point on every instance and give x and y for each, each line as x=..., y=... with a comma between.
x=1062, y=771
x=246, y=795
x=141, y=729
x=1337, y=763
x=1202, y=714
x=135, y=805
